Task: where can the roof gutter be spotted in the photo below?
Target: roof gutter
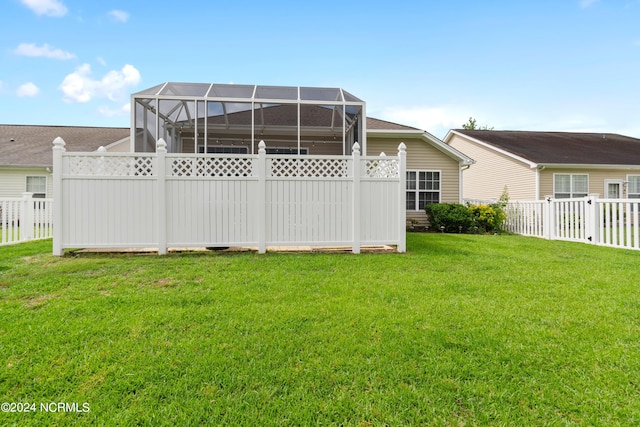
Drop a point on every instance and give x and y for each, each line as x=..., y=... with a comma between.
x=542, y=166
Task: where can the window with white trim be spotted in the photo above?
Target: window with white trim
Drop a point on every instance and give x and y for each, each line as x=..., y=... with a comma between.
x=423, y=188
x=633, y=186
x=38, y=186
x=570, y=185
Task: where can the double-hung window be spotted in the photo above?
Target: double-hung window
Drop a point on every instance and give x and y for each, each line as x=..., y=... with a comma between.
x=570, y=185
x=633, y=186
x=38, y=186
x=423, y=188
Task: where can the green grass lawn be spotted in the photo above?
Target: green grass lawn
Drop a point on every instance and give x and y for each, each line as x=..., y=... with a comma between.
x=461, y=330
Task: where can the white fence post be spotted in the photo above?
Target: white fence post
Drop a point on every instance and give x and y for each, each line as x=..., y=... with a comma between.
x=549, y=218
x=593, y=220
x=161, y=182
x=58, y=149
x=355, y=219
x=402, y=198
x=262, y=198
x=26, y=217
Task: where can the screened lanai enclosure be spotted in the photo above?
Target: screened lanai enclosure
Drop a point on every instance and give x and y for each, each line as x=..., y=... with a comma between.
x=233, y=119
x=214, y=165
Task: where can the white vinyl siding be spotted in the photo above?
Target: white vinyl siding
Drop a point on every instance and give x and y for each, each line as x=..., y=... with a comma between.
x=492, y=171
x=13, y=180
x=567, y=185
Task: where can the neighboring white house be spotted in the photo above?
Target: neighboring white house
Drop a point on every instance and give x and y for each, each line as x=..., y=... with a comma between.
x=26, y=158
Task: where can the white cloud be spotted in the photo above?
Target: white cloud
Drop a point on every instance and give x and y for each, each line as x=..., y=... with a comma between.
x=106, y=111
x=79, y=86
x=119, y=15
x=28, y=89
x=101, y=61
x=45, y=51
x=46, y=7
x=587, y=3
x=115, y=82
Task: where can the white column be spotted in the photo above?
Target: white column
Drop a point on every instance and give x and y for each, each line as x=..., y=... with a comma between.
x=58, y=243
x=593, y=219
x=26, y=217
x=355, y=219
x=161, y=188
x=549, y=218
x=262, y=198
x=402, y=196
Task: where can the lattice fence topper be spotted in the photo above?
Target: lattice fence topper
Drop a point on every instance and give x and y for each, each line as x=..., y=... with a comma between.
x=211, y=166
x=309, y=168
x=110, y=166
x=380, y=168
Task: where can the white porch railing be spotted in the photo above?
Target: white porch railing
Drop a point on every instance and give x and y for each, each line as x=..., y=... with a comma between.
x=161, y=200
x=606, y=222
x=24, y=218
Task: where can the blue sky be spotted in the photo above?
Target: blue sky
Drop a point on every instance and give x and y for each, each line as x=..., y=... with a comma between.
x=570, y=65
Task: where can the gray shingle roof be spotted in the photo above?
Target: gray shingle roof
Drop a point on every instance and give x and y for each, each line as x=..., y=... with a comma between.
x=563, y=147
x=26, y=145
x=377, y=124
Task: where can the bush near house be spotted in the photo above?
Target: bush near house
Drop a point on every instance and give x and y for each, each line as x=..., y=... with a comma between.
x=458, y=218
x=449, y=217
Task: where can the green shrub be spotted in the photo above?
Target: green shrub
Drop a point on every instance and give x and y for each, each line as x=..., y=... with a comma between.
x=488, y=218
x=457, y=218
x=449, y=217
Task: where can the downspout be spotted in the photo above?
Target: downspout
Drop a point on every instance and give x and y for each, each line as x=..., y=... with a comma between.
x=538, y=170
x=463, y=168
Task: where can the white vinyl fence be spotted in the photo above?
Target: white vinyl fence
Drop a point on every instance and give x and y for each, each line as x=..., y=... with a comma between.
x=24, y=218
x=606, y=222
x=161, y=200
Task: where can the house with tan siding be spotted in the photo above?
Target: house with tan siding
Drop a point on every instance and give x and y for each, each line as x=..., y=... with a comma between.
x=434, y=169
x=533, y=165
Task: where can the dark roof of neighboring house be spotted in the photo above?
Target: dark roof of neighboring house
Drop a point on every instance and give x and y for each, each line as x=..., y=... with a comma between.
x=28, y=145
x=563, y=147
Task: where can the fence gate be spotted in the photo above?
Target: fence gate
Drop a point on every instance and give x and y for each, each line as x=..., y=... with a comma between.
x=606, y=222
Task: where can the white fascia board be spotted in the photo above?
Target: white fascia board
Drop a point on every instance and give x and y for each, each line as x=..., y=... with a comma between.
x=391, y=132
x=20, y=167
x=529, y=163
x=447, y=149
